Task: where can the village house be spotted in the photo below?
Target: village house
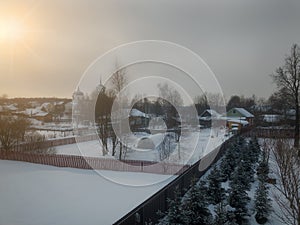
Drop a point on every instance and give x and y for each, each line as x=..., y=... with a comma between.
x=237, y=118
x=205, y=119
x=138, y=120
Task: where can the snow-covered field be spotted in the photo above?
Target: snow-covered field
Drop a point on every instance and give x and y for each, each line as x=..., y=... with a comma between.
x=207, y=141
x=43, y=195
x=36, y=194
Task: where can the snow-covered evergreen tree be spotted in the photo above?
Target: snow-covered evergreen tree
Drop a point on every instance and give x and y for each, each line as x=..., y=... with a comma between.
x=215, y=191
x=221, y=214
x=229, y=162
x=263, y=168
x=195, y=205
x=175, y=214
x=241, y=142
x=254, y=149
x=250, y=156
x=262, y=203
x=241, y=177
x=231, y=220
x=262, y=200
x=238, y=197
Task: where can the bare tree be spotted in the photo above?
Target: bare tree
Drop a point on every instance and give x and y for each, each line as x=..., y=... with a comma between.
x=170, y=94
x=165, y=148
x=288, y=171
x=12, y=130
x=287, y=78
x=35, y=143
x=201, y=103
x=103, y=117
x=118, y=80
x=279, y=102
x=114, y=141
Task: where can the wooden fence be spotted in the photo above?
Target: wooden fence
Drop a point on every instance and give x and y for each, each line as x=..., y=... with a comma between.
x=82, y=162
x=55, y=142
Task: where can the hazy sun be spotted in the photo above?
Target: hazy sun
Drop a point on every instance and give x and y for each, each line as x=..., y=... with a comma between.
x=11, y=31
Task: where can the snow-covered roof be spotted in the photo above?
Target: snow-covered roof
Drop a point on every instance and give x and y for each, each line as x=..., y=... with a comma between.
x=41, y=114
x=154, y=140
x=59, y=103
x=269, y=118
x=244, y=112
x=125, y=113
x=234, y=118
x=243, y=122
x=262, y=108
x=138, y=113
x=291, y=112
x=212, y=112
x=35, y=111
x=11, y=107
x=204, y=118
x=45, y=105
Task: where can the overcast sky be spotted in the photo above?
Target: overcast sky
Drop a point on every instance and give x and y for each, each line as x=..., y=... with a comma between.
x=243, y=41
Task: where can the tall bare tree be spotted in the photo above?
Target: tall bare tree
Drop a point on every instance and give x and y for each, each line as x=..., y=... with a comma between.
x=288, y=171
x=102, y=114
x=118, y=80
x=169, y=93
x=287, y=78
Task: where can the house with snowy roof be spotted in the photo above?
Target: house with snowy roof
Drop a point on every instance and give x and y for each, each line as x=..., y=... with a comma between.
x=138, y=119
x=206, y=117
x=40, y=113
x=237, y=118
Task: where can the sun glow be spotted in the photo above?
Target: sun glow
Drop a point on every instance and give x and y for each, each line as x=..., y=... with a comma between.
x=11, y=31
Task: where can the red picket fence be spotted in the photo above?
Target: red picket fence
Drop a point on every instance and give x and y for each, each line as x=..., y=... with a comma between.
x=82, y=162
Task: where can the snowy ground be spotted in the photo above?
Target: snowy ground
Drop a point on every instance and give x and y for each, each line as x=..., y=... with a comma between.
x=89, y=148
x=204, y=142
x=43, y=195
x=36, y=194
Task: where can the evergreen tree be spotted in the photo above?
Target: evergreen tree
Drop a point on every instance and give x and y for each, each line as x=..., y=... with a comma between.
x=254, y=149
x=241, y=142
x=241, y=178
x=238, y=197
x=221, y=214
x=229, y=162
x=175, y=214
x=231, y=220
x=247, y=165
x=263, y=168
x=262, y=203
x=215, y=191
x=195, y=205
